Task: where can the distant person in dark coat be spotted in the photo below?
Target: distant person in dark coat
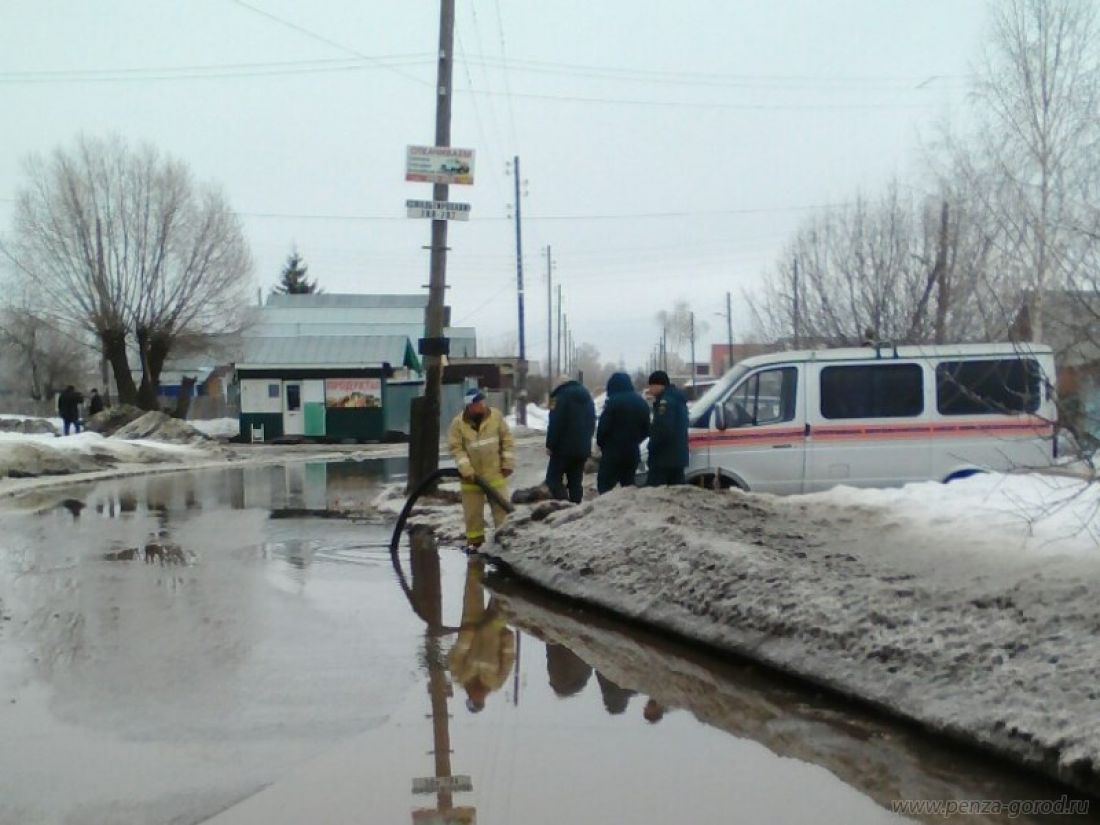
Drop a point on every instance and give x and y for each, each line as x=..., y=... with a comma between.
x=68, y=407
x=95, y=403
x=569, y=438
x=624, y=425
x=668, y=434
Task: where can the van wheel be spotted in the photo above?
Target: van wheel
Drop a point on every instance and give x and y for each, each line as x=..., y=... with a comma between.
x=961, y=474
x=708, y=482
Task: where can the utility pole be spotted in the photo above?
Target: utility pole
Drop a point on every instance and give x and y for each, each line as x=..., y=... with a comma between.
x=664, y=349
x=549, y=319
x=424, y=436
x=729, y=331
x=692, y=352
x=564, y=341
x=555, y=375
x=796, y=319
x=521, y=367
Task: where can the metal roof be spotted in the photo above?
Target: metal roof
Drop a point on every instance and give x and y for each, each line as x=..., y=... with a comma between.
x=330, y=300
x=329, y=351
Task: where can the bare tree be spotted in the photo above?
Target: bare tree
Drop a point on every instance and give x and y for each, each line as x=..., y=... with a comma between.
x=122, y=243
x=43, y=358
x=1039, y=86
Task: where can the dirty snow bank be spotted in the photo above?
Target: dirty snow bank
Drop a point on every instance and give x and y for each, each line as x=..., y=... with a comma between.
x=26, y=456
x=538, y=419
x=974, y=636
x=217, y=427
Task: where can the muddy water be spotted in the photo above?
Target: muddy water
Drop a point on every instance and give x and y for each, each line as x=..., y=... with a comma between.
x=286, y=672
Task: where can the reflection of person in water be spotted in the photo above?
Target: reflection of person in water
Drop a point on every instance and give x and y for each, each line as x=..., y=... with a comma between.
x=615, y=698
x=485, y=650
x=567, y=672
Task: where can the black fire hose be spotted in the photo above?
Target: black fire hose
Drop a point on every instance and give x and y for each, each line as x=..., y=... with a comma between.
x=424, y=486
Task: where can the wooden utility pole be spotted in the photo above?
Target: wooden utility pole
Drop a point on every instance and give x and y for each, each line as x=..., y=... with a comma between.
x=549, y=319
x=521, y=367
x=692, y=316
x=424, y=424
x=729, y=331
x=555, y=375
x=796, y=319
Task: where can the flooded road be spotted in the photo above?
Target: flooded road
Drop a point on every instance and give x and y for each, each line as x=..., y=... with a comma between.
x=274, y=670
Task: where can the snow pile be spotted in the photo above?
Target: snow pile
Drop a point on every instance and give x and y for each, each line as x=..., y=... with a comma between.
x=157, y=426
x=110, y=419
x=537, y=418
x=977, y=637
x=26, y=456
x=217, y=427
x=28, y=425
x=1045, y=513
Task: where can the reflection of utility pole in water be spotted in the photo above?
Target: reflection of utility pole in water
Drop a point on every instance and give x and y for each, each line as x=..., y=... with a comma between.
x=427, y=593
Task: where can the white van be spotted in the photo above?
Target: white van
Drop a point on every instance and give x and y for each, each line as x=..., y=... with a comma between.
x=796, y=422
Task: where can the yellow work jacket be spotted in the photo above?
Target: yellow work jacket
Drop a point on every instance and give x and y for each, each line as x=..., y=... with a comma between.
x=487, y=451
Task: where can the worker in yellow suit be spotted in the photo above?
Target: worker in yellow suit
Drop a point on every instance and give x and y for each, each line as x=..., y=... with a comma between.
x=485, y=651
x=481, y=444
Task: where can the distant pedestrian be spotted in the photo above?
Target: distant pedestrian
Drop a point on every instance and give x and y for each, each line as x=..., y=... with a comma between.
x=481, y=444
x=623, y=426
x=668, y=434
x=68, y=407
x=95, y=403
x=569, y=438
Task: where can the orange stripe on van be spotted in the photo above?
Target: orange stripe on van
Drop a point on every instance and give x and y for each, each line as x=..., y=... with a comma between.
x=766, y=436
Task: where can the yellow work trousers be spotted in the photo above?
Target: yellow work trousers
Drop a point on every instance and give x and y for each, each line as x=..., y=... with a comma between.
x=473, y=509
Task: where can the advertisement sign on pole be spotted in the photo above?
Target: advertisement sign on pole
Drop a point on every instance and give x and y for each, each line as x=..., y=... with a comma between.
x=438, y=210
x=439, y=164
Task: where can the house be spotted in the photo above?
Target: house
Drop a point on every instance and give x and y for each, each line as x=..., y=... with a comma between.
x=327, y=314
x=338, y=366
x=722, y=356
x=333, y=387
x=1071, y=327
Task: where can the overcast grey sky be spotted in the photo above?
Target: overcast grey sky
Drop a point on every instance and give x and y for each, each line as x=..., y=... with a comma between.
x=669, y=148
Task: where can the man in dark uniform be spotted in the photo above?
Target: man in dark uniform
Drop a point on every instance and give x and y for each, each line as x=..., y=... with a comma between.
x=668, y=434
x=624, y=425
x=569, y=438
x=68, y=408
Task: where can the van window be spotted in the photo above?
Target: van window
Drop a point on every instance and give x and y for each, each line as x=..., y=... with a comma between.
x=872, y=391
x=1008, y=385
x=767, y=397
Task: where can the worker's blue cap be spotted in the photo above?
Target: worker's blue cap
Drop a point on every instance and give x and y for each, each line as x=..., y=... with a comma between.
x=473, y=395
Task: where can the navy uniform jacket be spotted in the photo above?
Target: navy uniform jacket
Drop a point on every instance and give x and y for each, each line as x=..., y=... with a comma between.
x=668, y=435
x=624, y=422
x=572, y=421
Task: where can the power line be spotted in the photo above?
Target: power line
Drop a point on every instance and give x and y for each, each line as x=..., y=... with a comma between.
x=585, y=217
x=507, y=83
x=326, y=40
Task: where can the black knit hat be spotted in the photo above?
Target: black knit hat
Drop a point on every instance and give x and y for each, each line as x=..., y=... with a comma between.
x=659, y=377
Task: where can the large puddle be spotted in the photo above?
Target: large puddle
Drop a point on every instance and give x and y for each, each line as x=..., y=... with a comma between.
x=281, y=670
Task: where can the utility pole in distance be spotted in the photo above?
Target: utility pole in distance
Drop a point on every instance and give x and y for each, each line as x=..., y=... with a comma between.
x=424, y=425
x=549, y=319
x=729, y=331
x=555, y=375
x=521, y=367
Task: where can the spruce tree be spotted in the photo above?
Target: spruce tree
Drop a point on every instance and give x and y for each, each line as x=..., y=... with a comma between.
x=292, y=280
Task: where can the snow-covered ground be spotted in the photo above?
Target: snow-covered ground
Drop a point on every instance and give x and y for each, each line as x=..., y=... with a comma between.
x=954, y=606
x=537, y=418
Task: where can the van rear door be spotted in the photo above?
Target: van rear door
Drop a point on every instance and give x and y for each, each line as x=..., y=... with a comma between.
x=868, y=424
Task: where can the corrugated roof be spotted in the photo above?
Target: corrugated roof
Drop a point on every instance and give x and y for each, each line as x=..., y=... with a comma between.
x=326, y=350
x=329, y=300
